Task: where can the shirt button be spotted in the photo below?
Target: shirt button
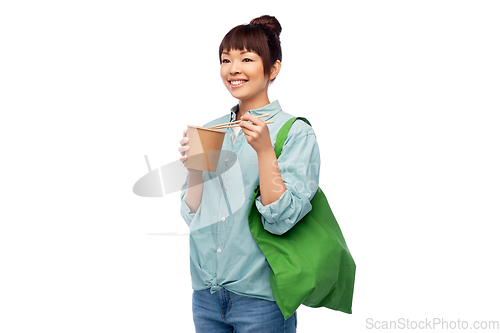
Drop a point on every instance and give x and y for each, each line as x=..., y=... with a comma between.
x=219, y=250
x=223, y=219
x=227, y=160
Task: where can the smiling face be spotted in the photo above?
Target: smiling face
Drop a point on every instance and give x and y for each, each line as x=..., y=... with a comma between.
x=242, y=73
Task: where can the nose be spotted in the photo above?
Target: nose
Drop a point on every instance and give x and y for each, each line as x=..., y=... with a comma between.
x=235, y=69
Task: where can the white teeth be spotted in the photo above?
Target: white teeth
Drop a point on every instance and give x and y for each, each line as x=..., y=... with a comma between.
x=234, y=83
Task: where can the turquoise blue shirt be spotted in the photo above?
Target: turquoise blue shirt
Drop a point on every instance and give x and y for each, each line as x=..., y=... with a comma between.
x=222, y=249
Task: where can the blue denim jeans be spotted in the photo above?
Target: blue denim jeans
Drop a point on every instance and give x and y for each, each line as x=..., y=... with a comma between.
x=225, y=311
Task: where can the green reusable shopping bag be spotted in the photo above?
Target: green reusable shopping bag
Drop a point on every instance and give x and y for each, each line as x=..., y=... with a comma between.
x=310, y=264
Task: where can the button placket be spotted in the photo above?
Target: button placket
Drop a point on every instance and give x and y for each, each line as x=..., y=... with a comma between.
x=221, y=226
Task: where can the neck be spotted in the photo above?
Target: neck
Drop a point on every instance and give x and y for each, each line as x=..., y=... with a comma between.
x=244, y=106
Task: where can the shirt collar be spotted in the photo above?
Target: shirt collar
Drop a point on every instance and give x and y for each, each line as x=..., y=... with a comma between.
x=271, y=108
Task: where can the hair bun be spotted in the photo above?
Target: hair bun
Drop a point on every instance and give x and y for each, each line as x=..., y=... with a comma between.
x=268, y=21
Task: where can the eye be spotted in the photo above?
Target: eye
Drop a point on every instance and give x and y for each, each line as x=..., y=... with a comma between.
x=247, y=60
x=225, y=61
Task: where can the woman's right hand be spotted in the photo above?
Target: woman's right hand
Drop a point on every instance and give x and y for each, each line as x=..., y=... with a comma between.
x=184, y=147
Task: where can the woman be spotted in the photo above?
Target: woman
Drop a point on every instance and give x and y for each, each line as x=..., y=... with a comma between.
x=229, y=273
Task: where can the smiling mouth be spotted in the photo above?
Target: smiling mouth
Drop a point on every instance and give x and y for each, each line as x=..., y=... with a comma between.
x=237, y=83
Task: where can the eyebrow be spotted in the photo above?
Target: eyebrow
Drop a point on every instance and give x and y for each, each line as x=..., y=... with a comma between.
x=242, y=52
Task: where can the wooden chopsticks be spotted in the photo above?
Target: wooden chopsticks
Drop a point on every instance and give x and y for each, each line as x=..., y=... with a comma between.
x=235, y=123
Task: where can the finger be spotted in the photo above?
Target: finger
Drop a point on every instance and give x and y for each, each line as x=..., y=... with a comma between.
x=184, y=135
x=183, y=149
x=252, y=118
x=247, y=132
x=249, y=126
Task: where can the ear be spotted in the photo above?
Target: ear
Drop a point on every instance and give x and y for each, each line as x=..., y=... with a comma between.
x=275, y=69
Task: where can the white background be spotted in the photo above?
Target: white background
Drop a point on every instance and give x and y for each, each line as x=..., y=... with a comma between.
x=403, y=97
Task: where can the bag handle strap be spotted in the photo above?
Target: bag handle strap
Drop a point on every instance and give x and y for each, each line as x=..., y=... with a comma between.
x=283, y=133
x=281, y=137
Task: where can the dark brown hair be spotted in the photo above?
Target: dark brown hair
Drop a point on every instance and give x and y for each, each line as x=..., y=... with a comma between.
x=260, y=36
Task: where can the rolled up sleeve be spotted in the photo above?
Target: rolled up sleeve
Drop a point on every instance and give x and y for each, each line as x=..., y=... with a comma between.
x=186, y=213
x=299, y=165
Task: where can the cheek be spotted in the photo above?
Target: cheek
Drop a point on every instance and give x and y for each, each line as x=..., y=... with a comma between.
x=223, y=75
x=258, y=73
x=224, y=69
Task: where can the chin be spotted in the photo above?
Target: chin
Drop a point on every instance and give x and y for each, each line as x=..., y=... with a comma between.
x=236, y=95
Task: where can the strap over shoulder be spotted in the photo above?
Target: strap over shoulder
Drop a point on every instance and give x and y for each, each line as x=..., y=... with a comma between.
x=283, y=133
x=280, y=139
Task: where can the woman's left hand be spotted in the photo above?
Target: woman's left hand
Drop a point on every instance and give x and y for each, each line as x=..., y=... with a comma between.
x=256, y=133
